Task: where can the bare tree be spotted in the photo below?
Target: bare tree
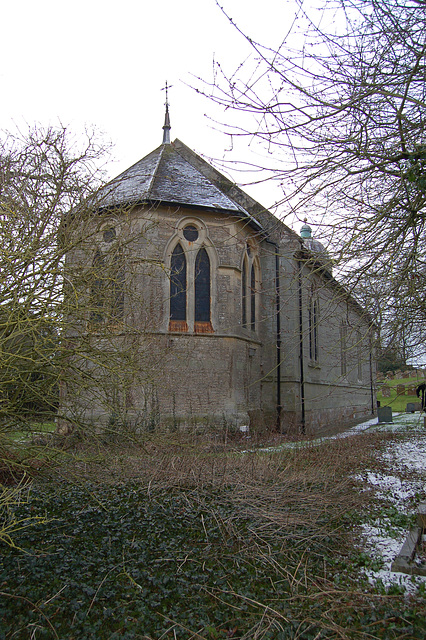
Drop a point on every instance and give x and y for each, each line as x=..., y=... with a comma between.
x=62, y=321
x=341, y=111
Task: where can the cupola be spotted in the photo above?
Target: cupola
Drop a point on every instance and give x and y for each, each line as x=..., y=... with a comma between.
x=316, y=247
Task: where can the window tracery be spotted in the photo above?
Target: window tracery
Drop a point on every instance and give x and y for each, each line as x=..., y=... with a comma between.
x=191, y=278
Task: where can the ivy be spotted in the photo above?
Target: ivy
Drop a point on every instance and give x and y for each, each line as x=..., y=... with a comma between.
x=116, y=563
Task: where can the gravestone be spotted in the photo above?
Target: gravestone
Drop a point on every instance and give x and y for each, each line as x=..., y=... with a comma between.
x=384, y=414
x=413, y=374
x=410, y=407
x=386, y=392
x=411, y=391
x=400, y=390
x=390, y=375
x=405, y=374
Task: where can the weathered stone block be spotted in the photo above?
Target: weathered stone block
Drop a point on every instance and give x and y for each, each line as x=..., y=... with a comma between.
x=421, y=515
x=384, y=414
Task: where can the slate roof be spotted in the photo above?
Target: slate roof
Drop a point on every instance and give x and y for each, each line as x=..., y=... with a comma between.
x=166, y=176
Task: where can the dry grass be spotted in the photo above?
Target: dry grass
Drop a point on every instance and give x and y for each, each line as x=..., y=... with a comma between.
x=281, y=488
x=298, y=501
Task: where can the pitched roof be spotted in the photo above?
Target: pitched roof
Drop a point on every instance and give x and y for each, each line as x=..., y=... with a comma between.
x=167, y=175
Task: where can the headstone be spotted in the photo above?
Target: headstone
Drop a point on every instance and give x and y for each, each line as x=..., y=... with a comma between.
x=389, y=375
x=400, y=390
x=386, y=392
x=405, y=374
x=417, y=406
x=413, y=374
x=384, y=414
x=398, y=373
x=411, y=391
x=410, y=407
x=421, y=515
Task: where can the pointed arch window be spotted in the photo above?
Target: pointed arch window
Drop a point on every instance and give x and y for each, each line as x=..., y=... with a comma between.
x=117, y=287
x=192, y=278
x=202, y=293
x=313, y=316
x=244, y=293
x=249, y=289
x=343, y=348
x=359, y=354
x=107, y=290
x=253, y=299
x=97, y=306
x=178, y=290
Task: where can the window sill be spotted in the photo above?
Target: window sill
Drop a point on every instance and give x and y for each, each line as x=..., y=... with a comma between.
x=179, y=326
x=314, y=364
x=203, y=327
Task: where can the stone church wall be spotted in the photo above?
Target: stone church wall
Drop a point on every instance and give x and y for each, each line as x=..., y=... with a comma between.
x=227, y=375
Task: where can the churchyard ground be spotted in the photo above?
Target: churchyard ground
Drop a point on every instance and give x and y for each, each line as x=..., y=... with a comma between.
x=188, y=536
x=397, y=399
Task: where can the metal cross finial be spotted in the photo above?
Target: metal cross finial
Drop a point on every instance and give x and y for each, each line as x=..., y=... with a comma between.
x=166, y=89
x=166, y=126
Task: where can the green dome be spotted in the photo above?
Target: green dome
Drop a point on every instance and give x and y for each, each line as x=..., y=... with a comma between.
x=306, y=230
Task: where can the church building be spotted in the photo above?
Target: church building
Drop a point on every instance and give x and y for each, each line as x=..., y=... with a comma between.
x=221, y=314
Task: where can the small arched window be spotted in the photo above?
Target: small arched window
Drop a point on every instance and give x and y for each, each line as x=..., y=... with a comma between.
x=244, y=293
x=252, y=299
x=313, y=315
x=97, y=302
x=202, y=292
x=343, y=348
x=178, y=289
x=249, y=286
x=107, y=290
x=117, y=287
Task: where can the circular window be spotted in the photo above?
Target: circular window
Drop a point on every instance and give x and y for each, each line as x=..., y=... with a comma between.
x=190, y=233
x=109, y=235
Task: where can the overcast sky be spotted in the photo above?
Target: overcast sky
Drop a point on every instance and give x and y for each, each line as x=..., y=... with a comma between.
x=103, y=63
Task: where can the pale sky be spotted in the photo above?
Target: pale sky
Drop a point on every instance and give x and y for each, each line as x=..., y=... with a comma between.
x=103, y=63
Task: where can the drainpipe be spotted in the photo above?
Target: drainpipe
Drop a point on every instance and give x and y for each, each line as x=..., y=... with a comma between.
x=371, y=376
x=277, y=309
x=302, y=372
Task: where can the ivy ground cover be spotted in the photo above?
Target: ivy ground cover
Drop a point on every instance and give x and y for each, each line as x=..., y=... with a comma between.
x=263, y=549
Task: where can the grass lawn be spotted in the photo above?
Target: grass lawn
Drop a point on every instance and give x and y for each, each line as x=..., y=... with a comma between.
x=398, y=402
x=182, y=537
x=26, y=431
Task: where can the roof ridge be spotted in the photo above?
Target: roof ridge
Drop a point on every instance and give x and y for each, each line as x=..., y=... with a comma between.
x=231, y=190
x=154, y=173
